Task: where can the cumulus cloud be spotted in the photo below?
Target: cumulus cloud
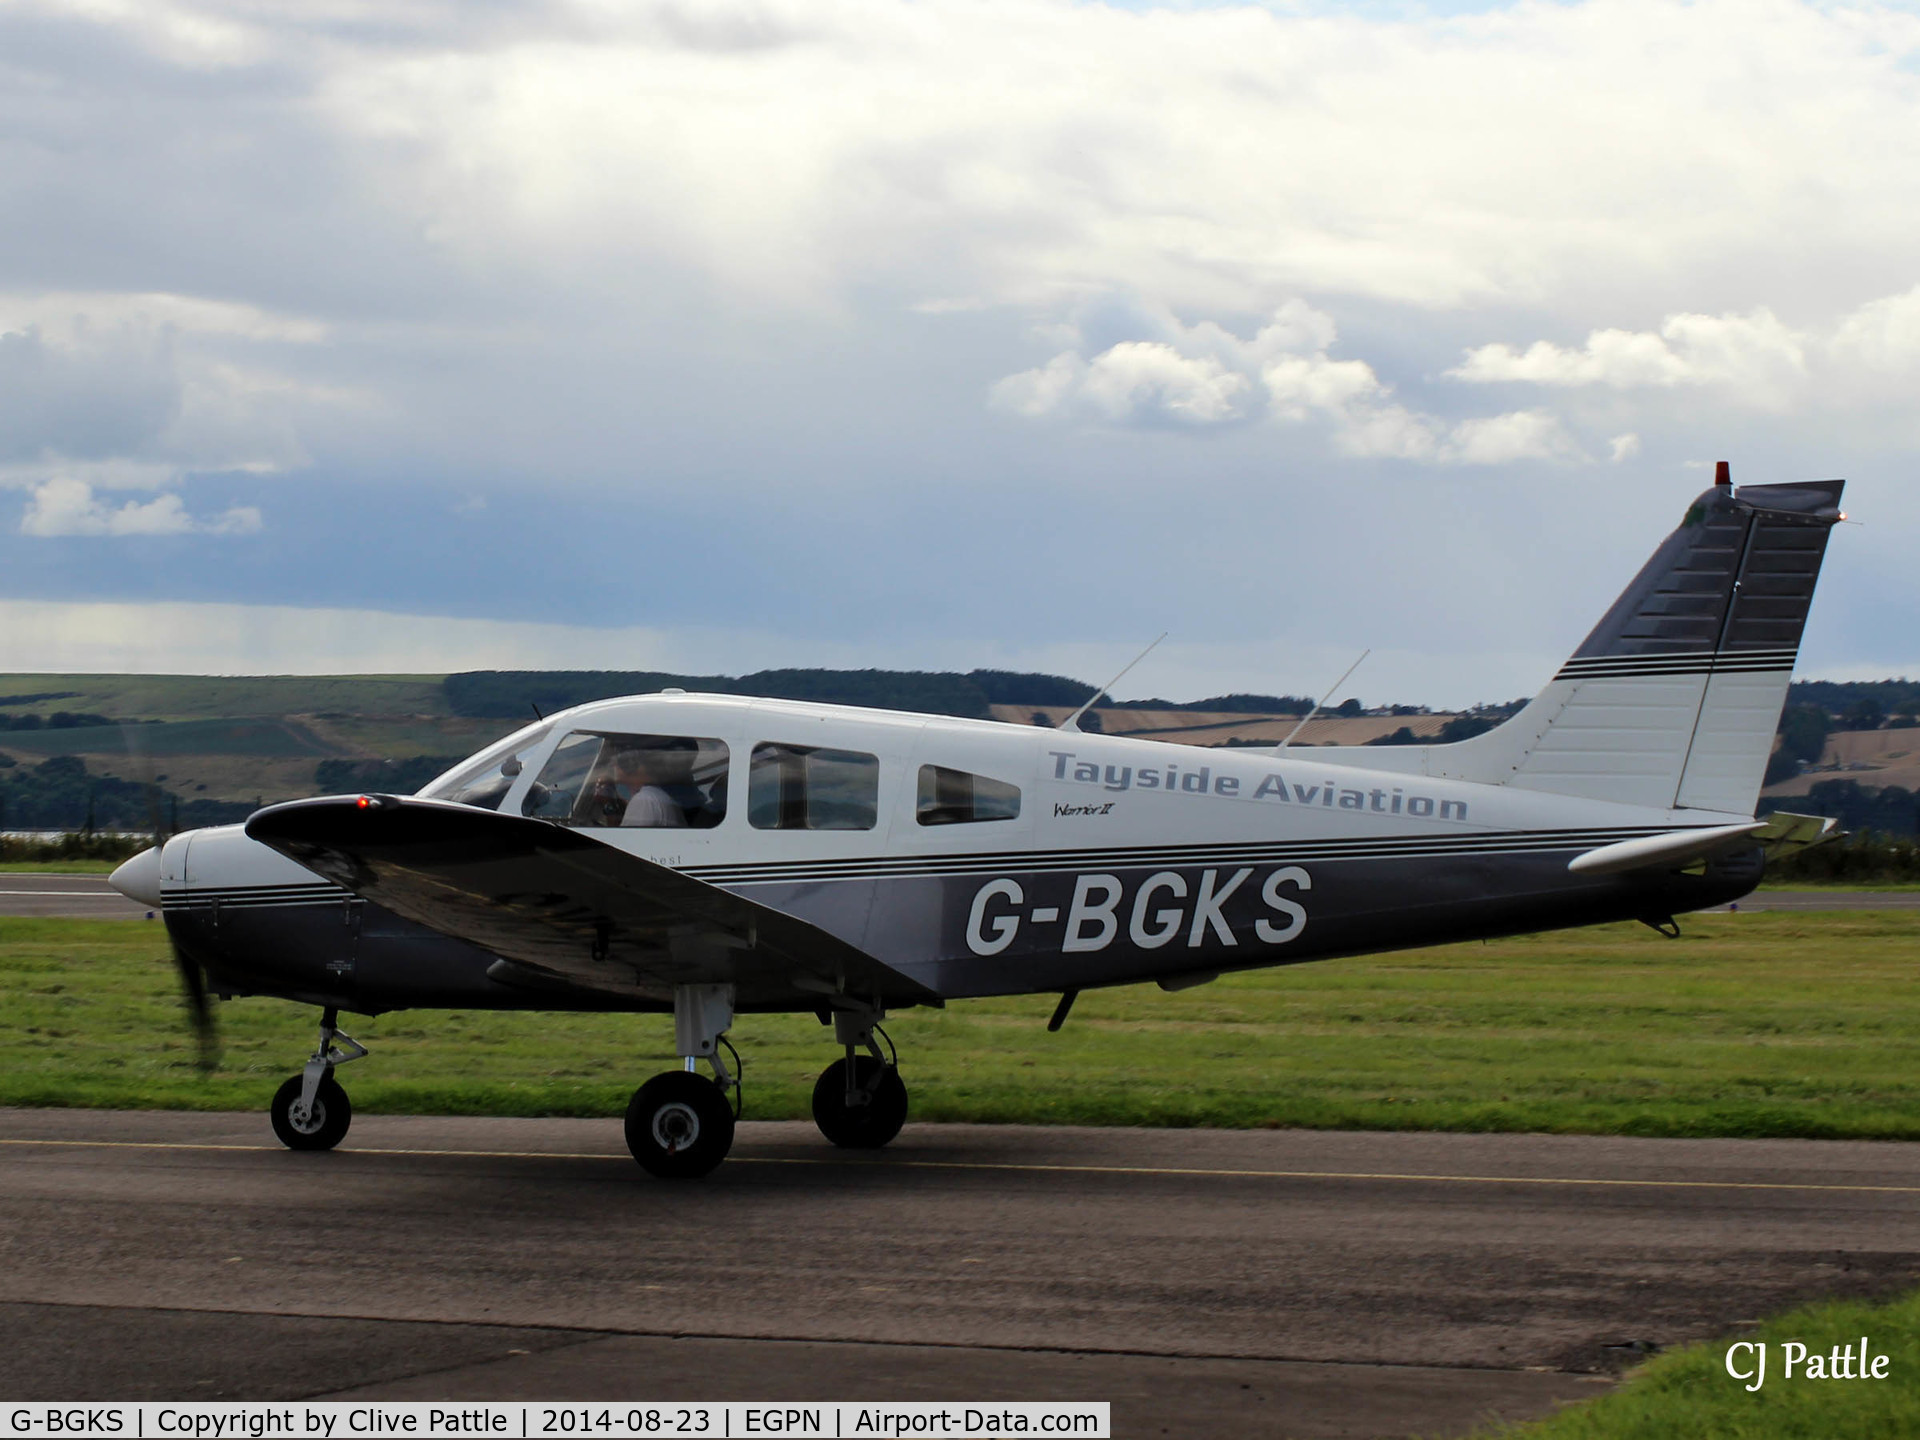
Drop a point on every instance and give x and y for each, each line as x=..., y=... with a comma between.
x=1204, y=375
x=1503, y=439
x=1880, y=338
x=1136, y=381
x=104, y=391
x=1858, y=358
x=69, y=507
x=1754, y=355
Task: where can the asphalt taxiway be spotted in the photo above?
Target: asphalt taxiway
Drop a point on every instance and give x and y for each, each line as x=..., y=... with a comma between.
x=1286, y=1282
x=66, y=897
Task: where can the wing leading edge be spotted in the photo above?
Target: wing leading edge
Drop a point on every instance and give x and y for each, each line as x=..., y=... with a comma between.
x=564, y=908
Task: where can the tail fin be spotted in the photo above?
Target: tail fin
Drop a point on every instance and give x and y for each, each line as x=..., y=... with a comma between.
x=1673, y=700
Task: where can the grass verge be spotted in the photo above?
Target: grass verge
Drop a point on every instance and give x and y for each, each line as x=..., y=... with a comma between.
x=1689, y=1393
x=1770, y=1023
x=58, y=867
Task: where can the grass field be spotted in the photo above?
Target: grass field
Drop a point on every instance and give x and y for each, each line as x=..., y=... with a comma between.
x=200, y=697
x=58, y=867
x=1753, y=1024
x=1689, y=1395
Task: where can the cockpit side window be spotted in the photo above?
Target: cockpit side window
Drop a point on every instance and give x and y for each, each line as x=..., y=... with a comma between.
x=604, y=779
x=955, y=797
x=806, y=787
x=485, y=781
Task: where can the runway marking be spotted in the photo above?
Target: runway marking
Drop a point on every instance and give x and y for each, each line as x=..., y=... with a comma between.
x=1032, y=1168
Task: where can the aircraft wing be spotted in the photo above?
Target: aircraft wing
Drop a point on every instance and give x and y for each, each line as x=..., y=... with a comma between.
x=566, y=909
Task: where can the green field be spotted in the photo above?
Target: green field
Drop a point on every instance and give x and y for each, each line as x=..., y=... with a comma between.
x=254, y=738
x=1753, y=1024
x=200, y=697
x=58, y=867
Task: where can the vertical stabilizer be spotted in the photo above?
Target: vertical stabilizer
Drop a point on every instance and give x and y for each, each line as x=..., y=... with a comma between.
x=1673, y=700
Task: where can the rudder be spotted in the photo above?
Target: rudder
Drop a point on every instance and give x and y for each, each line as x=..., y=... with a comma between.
x=1673, y=699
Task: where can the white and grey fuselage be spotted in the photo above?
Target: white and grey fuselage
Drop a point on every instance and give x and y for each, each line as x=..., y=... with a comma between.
x=975, y=858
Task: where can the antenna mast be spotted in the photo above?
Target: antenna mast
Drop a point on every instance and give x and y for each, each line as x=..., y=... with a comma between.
x=1072, y=722
x=1322, y=701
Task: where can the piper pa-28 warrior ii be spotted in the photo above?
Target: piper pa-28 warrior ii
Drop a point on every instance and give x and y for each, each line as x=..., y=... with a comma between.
x=713, y=856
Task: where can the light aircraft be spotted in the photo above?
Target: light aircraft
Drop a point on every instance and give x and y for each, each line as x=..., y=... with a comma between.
x=712, y=856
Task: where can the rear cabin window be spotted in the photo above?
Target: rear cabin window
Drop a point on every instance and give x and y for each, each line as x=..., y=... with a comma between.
x=609, y=780
x=806, y=787
x=954, y=797
x=485, y=782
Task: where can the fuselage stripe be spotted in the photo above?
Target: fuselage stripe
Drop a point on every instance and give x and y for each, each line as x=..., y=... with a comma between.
x=1384, y=847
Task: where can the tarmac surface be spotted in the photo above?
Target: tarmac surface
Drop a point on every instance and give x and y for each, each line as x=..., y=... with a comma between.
x=1205, y=1282
x=66, y=897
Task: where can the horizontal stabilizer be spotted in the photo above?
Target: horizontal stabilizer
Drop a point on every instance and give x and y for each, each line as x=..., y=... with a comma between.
x=1782, y=833
x=1669, y=849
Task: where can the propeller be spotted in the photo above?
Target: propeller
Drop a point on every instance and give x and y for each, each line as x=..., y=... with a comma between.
x=193, y=978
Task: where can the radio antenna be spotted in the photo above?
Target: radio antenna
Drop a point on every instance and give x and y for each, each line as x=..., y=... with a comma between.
x=1072, y=722
x=1322, y=701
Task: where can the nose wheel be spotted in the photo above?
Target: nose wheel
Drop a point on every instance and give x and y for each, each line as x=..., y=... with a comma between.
x=311, y=1111
x=321, y=1125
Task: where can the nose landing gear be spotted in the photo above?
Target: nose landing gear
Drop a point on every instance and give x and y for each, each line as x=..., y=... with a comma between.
x=311, y=1111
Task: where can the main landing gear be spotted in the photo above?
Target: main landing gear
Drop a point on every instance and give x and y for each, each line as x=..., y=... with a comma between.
x=680, y=1123
x=859, y=1102
x=310, y=1111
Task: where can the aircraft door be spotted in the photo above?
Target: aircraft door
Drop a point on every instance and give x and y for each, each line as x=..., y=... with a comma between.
x=353, y=914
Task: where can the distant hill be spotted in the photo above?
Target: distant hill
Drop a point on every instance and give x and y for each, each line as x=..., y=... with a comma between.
x=218, y=745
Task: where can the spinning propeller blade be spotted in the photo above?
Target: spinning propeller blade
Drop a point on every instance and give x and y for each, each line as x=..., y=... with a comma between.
x=199, y=1006
x=193, y=980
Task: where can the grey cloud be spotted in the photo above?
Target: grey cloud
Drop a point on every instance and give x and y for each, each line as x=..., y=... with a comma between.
x=111, y=392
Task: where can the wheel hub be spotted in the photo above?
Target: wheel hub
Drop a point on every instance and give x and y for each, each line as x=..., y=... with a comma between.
x=675, y=1127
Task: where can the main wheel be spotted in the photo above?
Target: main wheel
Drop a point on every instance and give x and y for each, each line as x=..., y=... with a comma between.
x=325, y=1126
x=679, y=1125
x=860, y=1127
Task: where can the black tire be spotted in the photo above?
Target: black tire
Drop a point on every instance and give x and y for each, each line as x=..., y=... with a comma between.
x=860, y=1127
x=679, y=1126
x=326, y=1127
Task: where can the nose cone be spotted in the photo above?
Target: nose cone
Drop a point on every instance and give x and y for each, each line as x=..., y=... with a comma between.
x=139, y=878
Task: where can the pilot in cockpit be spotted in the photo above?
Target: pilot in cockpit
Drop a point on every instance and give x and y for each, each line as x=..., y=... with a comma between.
x=659, y=782
x=643, y=775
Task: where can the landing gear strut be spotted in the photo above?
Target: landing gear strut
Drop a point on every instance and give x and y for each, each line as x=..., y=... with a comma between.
x=859, y=1102
x=680, y=1124
x=310, y=1111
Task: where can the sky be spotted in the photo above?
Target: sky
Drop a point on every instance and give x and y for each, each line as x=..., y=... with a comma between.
x=710, y=336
